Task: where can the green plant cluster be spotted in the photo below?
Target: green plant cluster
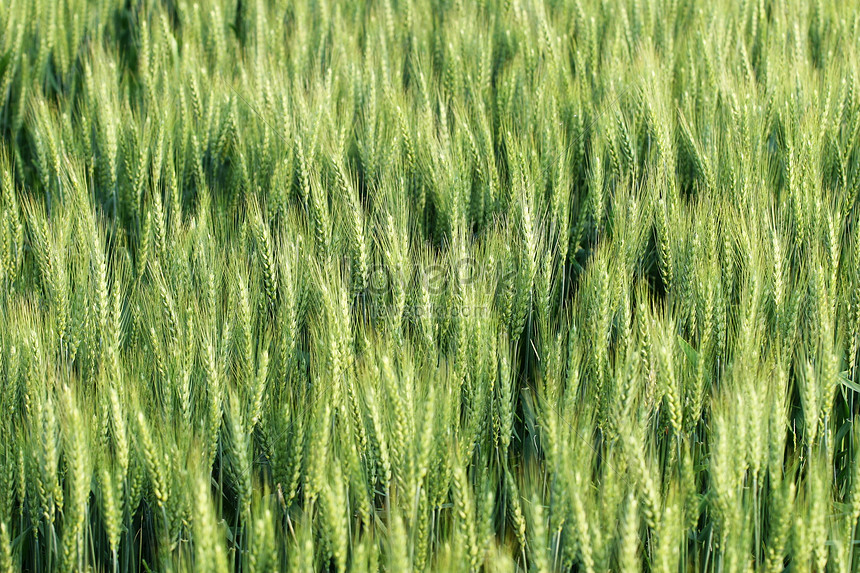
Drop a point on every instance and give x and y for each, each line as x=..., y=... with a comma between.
x=459, y=285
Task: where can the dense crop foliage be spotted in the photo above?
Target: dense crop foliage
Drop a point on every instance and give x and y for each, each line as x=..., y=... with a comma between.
x=429, y=284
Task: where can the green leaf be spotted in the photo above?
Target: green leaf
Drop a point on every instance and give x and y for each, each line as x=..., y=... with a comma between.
x=843, y=378
x=692, y=354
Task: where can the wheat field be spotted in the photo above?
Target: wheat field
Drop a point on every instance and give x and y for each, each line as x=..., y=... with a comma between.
x=429, y=285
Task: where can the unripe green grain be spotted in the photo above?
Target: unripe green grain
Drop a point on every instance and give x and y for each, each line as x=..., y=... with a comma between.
x=6, y=559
